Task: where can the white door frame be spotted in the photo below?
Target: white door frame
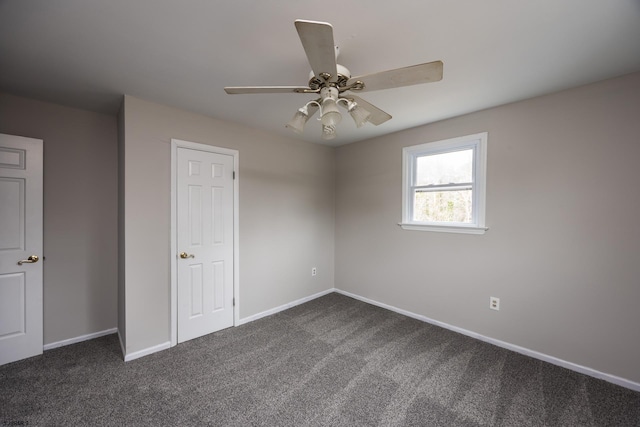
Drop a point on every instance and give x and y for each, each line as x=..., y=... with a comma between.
x=175, y=144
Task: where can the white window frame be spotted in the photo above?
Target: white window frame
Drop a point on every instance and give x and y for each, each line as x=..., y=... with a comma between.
x=476, y=142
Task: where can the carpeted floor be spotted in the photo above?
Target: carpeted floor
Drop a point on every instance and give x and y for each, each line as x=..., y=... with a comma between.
x=333, y=361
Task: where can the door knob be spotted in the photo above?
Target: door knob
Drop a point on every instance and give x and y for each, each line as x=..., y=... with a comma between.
x=185, y=255
x=32, y=259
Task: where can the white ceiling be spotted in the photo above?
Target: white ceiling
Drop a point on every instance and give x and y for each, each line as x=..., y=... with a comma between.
x=86, y=54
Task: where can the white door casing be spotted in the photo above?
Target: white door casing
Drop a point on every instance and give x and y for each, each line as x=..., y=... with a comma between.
x=21, y=227
x=204, y=253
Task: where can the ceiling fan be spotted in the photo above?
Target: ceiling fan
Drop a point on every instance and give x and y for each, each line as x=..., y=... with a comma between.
x=334, y=84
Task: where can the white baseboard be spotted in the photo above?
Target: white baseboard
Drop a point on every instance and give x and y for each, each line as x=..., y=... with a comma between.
x=145, y=351
x=522, y=350
x=283, y=307
x=79, y=339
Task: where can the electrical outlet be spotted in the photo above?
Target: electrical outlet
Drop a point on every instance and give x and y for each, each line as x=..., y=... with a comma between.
x=494, y=303
x=314, y=271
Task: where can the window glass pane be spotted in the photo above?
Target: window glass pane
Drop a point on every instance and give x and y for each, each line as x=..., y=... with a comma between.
x=442, y=206
x=447, y=168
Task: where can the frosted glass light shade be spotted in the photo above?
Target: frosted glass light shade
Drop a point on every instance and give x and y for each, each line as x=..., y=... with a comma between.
x=360, y=115
x=330, y=114
x=298, y=121
x=328, y=132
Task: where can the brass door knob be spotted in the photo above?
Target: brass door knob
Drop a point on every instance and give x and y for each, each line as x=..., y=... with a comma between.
x=185, y=255
x=32, y=259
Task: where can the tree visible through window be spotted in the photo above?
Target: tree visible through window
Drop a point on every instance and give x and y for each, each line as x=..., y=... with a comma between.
x=444, y=183
x=443, y=187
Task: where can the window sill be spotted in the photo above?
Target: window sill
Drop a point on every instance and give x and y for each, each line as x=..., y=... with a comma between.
x=444, y=228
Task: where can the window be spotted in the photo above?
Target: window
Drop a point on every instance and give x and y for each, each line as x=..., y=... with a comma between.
x=444, y=185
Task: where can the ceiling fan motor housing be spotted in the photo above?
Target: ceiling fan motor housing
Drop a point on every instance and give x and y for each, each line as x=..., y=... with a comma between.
x=326, y=79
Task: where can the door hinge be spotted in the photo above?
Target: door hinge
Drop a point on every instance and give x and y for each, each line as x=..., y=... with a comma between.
x=234, y=302
x=234, y=174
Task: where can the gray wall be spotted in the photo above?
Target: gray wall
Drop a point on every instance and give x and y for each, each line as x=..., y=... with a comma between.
x=286, y=215
x=563, y=249
x=80, y=199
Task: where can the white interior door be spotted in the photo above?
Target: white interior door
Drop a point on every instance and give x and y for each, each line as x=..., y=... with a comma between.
x=20, y=248
x=204, y=242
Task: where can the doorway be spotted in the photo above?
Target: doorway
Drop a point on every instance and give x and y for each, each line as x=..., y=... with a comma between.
x=204, y=239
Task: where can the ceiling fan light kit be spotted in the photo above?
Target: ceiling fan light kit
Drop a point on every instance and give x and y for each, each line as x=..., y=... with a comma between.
x=359, y=115
x=329, y=113
x=331, y=80
x=328, y=132
x=298, y=121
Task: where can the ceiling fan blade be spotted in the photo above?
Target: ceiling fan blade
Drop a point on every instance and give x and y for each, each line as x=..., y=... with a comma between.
x=377, y=115
x=265, y=89
x=406, y=76
x=317, y=40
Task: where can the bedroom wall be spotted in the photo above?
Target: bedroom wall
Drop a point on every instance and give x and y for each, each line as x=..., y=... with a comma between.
x=286, y=215
x=563, y=249
x=80, y=216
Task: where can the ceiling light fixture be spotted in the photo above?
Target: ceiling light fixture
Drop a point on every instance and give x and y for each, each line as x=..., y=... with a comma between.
x=329, y=113
x=333, y=82
x=328, y=132
x=301, y=117
x=359, y=115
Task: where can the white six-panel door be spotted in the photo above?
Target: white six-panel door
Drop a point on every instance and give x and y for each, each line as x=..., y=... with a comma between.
x=20, y=248
x=204, y=242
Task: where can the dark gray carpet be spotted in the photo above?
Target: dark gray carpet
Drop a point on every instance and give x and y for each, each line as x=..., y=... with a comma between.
x=333, y=361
